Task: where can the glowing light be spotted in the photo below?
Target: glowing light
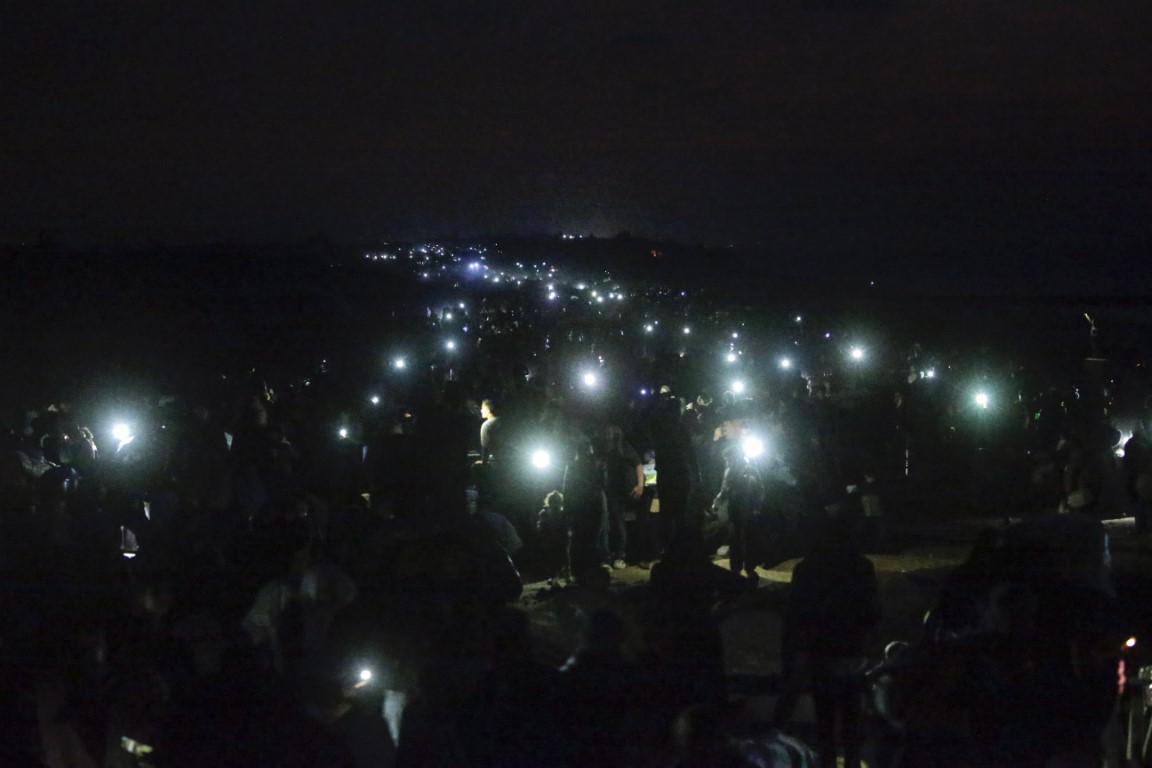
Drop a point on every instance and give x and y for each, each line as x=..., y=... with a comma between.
x=799, y=319
x=753, y=447
x=122, y=432
x=1130, y=642
x=930, y=373
x=375, y=399
x=687, y=330
x=450, y=345
x=856, y=353
x=590, y=379
x=739, y=387
x=982, y=399
x=552, y=296
x=365, y=675
x=447, y=315
x=644, y=393
x=399, y=363
x=730, y=357
x=541, y=459
x=649, y=328
x=785, y=363
x=343, y=433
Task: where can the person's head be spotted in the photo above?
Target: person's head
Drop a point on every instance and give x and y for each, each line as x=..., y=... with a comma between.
x=488, y=409
x=613, y=439
x=554, y=500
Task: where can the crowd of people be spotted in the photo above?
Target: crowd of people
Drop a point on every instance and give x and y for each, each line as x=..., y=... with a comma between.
x=268, y=576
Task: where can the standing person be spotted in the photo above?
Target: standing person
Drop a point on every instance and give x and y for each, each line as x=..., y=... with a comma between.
x=739, y=500
x=676, y=466
x=587, y=508
x=1138, y=475
x=625, y=475
x=490, y=431
x=555, y=539
x=833, y=605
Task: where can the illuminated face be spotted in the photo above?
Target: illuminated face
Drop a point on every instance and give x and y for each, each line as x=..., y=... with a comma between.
x=484, y=412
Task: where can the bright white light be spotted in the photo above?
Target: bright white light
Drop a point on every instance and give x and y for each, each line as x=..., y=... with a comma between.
x=461, y=305
x=1130, y=642
x=595, y=294
x=649, y=328
x=753, y=447
x=365, y=675
x=856, y=353
x=930, y=373
x=590, y=379
x=541, y=459
x=785, y=363
x=982, y=399
x=799, y=319
x=599, y=299
x=730, y=357
x=739, y=387
x=375, y=399
x=122, y=432
x=735, y=335
x=343, y=433
x=687, y=330
x=447, y=315
x=551, y=295
x=644, y=392
x=399, y=363
x=450, y=345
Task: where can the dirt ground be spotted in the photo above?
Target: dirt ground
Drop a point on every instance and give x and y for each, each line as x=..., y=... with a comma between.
x=910, y=578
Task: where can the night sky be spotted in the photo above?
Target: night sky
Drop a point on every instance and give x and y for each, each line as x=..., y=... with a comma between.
x=987, y=143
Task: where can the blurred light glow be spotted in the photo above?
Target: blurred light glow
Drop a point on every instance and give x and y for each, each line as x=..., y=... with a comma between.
x=375, y=399
x=365, y=675
x=399, y=363
x=122, y=432
x=687, y=330
x=541, y=459
x=590, y=379
x=739, y=387
x=730, y=357
x=856, y=353
x=785, y=363
x=450, y=345
x=343, y=433
x=982, y=399
x=753, y=447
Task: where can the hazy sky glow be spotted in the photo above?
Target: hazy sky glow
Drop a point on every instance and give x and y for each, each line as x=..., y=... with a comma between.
x=938, y=137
